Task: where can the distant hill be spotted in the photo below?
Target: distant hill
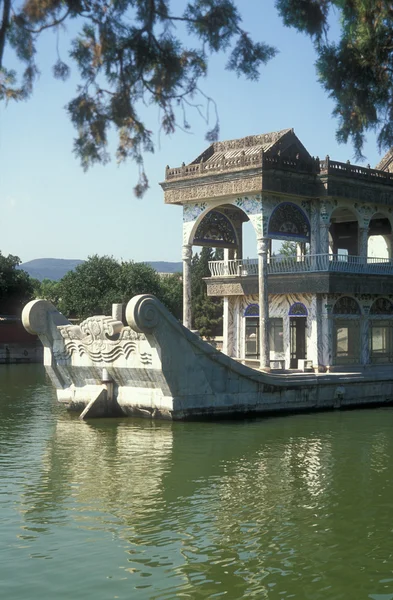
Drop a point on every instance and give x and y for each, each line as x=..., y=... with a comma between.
x=166, y=267
x=49, y=268
x=56, y=268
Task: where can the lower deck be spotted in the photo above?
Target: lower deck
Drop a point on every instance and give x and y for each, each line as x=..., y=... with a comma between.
x=312, y=332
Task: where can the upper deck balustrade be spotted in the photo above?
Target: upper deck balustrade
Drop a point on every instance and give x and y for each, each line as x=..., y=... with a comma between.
x=307, y=264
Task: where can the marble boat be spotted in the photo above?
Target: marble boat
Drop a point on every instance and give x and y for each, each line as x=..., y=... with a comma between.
x=157, y=368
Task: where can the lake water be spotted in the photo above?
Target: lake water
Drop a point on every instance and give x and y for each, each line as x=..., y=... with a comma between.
x=294, y=507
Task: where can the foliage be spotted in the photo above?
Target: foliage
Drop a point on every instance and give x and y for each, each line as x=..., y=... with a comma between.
x=206, y=311
x=91, y=288
x=289, y=248
x=136, y=53
x=16, y=287
x=357, y=70
x=128, y=54
x=171, y=294
x=101, y=281
x=47, y=290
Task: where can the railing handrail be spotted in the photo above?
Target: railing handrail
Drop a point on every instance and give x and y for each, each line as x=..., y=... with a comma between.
x=308, y=263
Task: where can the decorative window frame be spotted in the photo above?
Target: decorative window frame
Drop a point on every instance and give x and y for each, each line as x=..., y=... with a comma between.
x=289, y=236
x=291, y=314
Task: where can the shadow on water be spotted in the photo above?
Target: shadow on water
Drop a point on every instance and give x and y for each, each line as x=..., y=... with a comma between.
x=280, y=508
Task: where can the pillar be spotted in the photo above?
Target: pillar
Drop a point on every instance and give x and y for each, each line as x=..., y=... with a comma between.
x=363, y=243
x=117, y=312
x=186, y=256
x=325, y=332
x=324, y=238
x=228, y=326
x=364, y=340
x=388, y=241
x=315, y=233
x=263, y=304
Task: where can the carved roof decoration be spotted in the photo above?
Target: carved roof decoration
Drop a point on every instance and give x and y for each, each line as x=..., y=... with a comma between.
x=386, y=163
x=275, y=142
x=274, y=162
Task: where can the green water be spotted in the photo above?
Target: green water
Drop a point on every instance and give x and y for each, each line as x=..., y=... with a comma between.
x=295, y=507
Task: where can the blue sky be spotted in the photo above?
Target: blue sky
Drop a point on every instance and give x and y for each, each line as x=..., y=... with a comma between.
x=51, y=208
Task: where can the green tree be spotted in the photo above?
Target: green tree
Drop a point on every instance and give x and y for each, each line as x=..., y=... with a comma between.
x=47, y=289
x=101, y=281
x=91, y=288
x=16, y=286
x=137, y=278
x=289, y=248
x=171, y=294
x=357, y=70
x=206, y=311
x=129, y=54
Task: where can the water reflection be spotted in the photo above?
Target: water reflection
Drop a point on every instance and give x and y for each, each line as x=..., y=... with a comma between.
x=283, y=508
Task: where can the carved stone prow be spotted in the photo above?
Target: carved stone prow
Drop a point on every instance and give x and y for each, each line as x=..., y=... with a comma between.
x=40, y=317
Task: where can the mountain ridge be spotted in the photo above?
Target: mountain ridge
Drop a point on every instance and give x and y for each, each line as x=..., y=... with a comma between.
x=56, y=268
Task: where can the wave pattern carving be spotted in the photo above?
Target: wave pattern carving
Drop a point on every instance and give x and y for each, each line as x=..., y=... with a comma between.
x=102, y=339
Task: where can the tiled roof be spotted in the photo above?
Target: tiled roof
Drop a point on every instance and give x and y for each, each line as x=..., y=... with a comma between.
x=250, y=145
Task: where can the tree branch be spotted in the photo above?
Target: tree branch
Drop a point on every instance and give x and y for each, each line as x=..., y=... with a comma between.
x=5, y=23
x=48, y=26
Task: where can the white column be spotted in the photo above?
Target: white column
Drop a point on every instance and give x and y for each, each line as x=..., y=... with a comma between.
x=186, y=256
x=363, y=242
x=315, y=233
x=225, y=326
x=325, y=332
x=229, y=326
x=312, y=331
x=324, y=238
x=263, y=304
x=364, y=340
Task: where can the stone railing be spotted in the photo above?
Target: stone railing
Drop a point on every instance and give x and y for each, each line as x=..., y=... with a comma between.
x=242, y=161
x=306, y=264
x=333, y=167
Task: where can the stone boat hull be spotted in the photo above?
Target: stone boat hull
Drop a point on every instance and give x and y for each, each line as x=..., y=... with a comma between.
x=156, y=368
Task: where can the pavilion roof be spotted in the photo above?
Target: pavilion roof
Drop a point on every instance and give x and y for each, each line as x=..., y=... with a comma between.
x=385, y=164
x=250, y=145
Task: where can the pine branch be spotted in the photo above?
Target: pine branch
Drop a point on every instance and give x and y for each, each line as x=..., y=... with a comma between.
x=5, y=23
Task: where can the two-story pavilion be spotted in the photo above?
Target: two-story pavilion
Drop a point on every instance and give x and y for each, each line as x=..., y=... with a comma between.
x=330, y=305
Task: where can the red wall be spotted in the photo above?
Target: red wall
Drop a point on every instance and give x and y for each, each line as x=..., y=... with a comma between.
x=14, y=332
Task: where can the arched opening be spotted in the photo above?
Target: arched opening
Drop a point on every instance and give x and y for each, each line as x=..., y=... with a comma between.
x=379, y=237
x=346, y=331
x=297, y=333
x=222, y=228
x=344, y=233
x=381, y=331
x=216, y=230
x=251, y=315
x=276, y=333
x=289, y=227
x=219, y=232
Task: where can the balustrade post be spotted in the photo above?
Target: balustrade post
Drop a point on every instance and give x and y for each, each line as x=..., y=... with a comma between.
x=187, y=256
x=226, y=261
x=263, y=304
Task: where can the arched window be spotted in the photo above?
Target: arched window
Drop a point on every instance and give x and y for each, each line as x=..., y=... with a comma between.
x=252, y=310
x=215, y=230
x=381, y=331
x=382, y=306
x=346, y=306
x=288, y=221
x=298, y=310
x=346, y=331
x=252, y=330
